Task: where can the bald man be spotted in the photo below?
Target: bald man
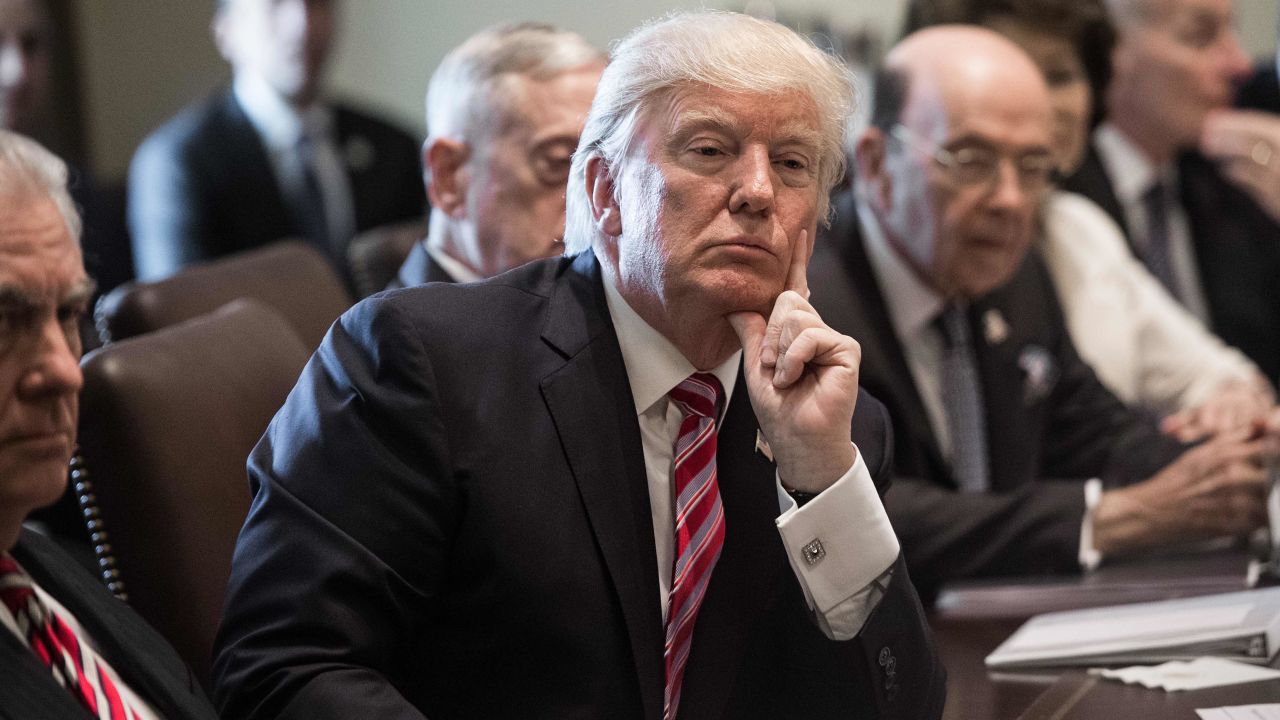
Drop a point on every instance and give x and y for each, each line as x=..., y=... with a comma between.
x=1004, y=436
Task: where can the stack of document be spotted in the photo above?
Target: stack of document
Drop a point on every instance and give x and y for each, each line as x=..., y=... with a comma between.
x=1242, y=626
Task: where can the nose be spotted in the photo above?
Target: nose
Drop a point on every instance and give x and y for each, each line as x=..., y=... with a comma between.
x=1007, y=191
x=53, y=367
x=753, y=184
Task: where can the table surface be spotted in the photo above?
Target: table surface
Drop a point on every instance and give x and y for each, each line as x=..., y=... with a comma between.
x=970, y=620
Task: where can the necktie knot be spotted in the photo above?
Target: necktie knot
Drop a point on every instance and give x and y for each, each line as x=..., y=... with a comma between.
x=699, y=394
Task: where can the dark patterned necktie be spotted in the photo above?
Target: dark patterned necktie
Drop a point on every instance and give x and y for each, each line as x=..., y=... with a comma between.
x=57, y=647
x=699, y=524
x=1156, y=253
x=962, y=400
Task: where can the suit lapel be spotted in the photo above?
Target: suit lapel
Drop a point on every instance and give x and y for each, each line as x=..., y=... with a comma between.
x=1092, y=181
x=589, y=399
x=742, y=584
x=254, y=179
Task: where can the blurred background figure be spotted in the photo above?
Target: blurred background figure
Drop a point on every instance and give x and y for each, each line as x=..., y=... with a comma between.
x=1164, y=164
x=1145, y=347
x=1011, y=457
x=505, y=109
x=270, y=157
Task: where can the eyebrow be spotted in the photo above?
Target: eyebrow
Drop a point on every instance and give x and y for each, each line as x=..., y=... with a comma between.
x=11, y=296
x=690, y=122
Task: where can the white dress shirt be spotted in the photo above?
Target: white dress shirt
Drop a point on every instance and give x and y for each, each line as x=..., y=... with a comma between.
x=455, y=269
x=281, y=127
x=87, y=647
x=847, y=518
x=1132, y=175
x=1144, y=346
x=912, y=306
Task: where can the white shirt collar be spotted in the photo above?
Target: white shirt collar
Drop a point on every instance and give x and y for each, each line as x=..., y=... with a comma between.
x=912, y=304
x=276, y=121
x=459, y=272
x=1131, y=172
x=654, y=365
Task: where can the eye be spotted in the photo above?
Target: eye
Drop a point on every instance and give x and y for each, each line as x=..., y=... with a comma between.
x=707, y=150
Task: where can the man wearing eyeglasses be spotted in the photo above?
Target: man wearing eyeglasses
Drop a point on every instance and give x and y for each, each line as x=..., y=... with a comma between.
x=1011, y=457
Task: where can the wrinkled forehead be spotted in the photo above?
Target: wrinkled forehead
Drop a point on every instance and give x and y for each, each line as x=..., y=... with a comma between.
x=787, y=117
x=38, y=253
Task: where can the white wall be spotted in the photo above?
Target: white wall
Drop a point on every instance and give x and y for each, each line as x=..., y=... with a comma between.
x=144, y=59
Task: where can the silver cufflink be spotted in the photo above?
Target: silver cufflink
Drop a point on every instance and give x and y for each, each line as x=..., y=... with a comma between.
x=813, y=552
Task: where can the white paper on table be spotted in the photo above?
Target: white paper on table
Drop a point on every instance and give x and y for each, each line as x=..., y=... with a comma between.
x=1197, y=674
x=1241, y=712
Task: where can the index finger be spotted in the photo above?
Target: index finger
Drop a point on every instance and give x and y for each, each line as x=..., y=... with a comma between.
x=798, y=272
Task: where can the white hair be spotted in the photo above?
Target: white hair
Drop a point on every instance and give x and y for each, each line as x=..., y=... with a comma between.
x=718, y=49
x=27, y=169
x=463, y=96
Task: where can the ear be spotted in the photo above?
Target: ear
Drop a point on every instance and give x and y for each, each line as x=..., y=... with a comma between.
x=869, y=157
x=600, y=195
x=444, y=163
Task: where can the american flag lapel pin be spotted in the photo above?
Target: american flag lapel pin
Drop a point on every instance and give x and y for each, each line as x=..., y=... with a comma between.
x=762, y=446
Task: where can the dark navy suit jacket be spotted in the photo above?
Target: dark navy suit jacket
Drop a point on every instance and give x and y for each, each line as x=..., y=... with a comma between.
x=451, y=519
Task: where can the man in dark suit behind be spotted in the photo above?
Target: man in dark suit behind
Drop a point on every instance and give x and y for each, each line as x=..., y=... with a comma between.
x=999, y=424
x=1191, y=182
x=475, y=504
x=505, y=109
x=269, y=157
x=49, y=606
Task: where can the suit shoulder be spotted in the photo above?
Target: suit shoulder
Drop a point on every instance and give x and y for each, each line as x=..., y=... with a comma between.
x=196, y=130
x=495, y=308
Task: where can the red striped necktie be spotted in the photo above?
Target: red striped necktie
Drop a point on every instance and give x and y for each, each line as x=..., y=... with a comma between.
x=56, y=645
x=699, y=523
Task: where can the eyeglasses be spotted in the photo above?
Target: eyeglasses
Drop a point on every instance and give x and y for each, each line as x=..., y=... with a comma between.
x=980, y=165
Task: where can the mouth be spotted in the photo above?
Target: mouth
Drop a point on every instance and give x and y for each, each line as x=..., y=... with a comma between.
x=745, y=244
x=39, y=442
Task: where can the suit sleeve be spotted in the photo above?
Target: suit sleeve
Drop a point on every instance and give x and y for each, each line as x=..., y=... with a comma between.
x=344, y=546
x=167, y=217
x=948, y=535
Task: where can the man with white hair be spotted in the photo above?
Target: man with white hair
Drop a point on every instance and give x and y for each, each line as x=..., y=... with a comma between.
x=504, y=112
x=1189, y=180
x=68, y=648
x=616, y=484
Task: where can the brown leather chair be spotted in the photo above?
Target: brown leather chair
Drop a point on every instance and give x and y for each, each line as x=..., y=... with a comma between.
x=376, y=255
x=167, y=420
x=290, y=276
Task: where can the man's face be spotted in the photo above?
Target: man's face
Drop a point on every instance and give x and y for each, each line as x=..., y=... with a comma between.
x=24, y=64
x=967, y=238
x=713, y=200
x=1173, y=68
x=285, y=42
x=43, y=294
x=520, y=168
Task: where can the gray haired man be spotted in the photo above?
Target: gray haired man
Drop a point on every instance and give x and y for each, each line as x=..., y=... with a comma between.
x=504, y=112
x=636, y=482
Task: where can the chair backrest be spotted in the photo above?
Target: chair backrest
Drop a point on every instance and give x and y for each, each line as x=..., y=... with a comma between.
x=167, y=421
x=375, y=256
x=290, y=276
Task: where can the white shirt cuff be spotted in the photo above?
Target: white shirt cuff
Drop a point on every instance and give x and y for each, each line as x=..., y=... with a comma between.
x=1089, y=556
x=840, y=545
